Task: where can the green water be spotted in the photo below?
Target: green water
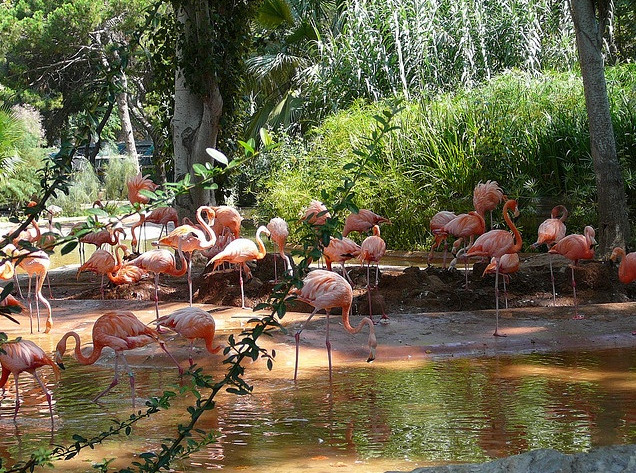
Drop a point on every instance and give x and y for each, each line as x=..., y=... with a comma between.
x=384, y=416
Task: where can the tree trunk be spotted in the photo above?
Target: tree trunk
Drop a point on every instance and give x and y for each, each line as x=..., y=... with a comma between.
x=612, y=204
x=195, y=125
x=126, y=124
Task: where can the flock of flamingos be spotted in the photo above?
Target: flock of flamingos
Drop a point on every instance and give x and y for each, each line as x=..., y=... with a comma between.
x=217, y=236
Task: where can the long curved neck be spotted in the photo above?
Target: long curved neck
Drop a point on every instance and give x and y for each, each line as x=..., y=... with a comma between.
x=347, y=325
x=92, y=358
x=516, y=248
x=184, y=264
x=211, y=237
x=261, y=246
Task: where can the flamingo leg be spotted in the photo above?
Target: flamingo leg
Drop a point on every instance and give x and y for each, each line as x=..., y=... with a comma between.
x=163, y=347
x=189, y=263
x=113, y=383
x=445, y=254
x=47, y=393
x=157, y=300
x=101, y=287
x=505, y=290
x=36, y=296
x=552, y=279
x=17, y=284
x=241, y=284
x=297, y=337
x=49, y=316
x=190, y=358
x=369, y=292
x=576, y=305
x=497, y=334
x=465, y=267
x=328, y=344
x=17, y=397
x=275, y=272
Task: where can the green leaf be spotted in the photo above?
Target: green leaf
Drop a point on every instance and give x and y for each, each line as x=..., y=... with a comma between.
x=199, y=169
x=217, y=155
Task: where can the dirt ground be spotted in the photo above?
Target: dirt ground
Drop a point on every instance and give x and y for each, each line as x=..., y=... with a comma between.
x=431, y=313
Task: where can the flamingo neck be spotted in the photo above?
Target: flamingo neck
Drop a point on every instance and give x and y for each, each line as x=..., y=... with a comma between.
x=92, y=358
x=515, y=231
x=211, y=236
x=209, y=345
x=184, y=264
x=365, y=321
x=261, y=246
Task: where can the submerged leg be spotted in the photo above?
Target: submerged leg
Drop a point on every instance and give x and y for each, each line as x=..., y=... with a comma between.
x=297, y=337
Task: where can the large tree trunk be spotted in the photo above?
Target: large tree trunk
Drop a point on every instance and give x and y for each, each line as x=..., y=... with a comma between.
x=126, y=124
x=195, y=125
x=612, y=204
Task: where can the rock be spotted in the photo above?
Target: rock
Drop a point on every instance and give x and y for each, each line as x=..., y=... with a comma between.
x=614, y=459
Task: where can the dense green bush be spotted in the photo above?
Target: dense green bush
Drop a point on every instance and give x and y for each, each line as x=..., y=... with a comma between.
x=115, y=174
x=527, y=132
x=83, y=190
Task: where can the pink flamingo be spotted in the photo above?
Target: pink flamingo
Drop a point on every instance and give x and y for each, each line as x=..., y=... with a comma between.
x=508, y=264
x=107, y=236
x=372, y=250
x=279, y=231
x=486, y=197
x=437, y=229
x=495, y=244
x=21, y=356
x=192, y=239
x=340, y=251
x=135, y=185
x=627, y=266
x=240, y=251
x=120, y=330
x=192, y=323
x=122, y=273
x=160, y=216
x=576, y=247
x=325, y=290
x=362, y=222
x=160, y=261
x=316, y=213
x=227, y=218
x=463, y=227
x=101, y=262
x=549, y=232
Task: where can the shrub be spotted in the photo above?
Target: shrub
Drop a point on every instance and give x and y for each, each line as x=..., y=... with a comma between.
x=115, y=174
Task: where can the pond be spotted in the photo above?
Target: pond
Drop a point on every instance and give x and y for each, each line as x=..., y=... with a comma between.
x=370, y=418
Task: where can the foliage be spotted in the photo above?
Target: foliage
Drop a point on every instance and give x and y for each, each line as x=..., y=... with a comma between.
x=83, y=189
x=527, y=132
x=116, y=172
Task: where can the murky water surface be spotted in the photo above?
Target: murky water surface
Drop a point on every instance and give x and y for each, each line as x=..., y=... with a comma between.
x=385, y=416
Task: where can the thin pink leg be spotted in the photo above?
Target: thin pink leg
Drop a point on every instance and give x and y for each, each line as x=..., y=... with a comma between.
x=297, y=337
x=576, y=305
x=328, y=343
x=497, y=334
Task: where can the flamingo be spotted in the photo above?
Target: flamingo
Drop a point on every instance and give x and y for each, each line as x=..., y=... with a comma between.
x=135, y=185
x=227, y=217
x=22, y=355
x=486, y=197
x=101, y=262
x=324, y=289
x=466, y=226
x=191, y=239
x=576, y=247
x=122, y=273
x=34, y=263
x=316, y=213
x=240, y=251
x=372, y=250
x=437, y=229
x=362, y=221
x=549, y=232
x=508, y=264
x=339, y=251
x=192, y=323
x=627, y=266
x=160, y=261
x=120, y=330
x=105, y=236
x=495, y=244
x=279, y=231
x=160, y=216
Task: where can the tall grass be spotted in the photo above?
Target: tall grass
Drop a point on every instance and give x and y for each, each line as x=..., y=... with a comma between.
x=116, y=172
x=528, y=132
x=83, y=190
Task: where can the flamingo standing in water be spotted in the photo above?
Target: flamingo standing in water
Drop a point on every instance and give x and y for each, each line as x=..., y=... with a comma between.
x=508, y=264
x=324, y=290
x=120, y=330
x=362, y=221
x=278, y=233
x=495, y=244
x=437, y=229
x=372, y=250
x=576, y=247
x=240, y=251
x=21, y=356
x=486, y=197
x=549, y=232
x=192, y=323
x=160, y=261
x=192, y=239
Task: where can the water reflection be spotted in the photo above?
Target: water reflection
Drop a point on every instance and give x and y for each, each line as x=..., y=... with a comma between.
x=372, y=418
